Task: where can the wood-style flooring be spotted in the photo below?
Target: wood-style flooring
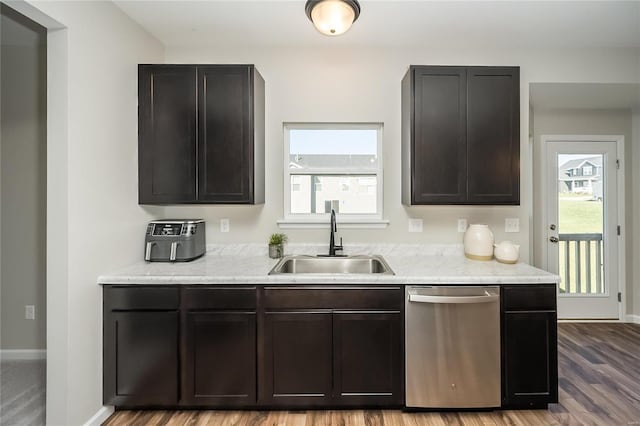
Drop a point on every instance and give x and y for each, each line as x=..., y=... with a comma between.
x=599, y=384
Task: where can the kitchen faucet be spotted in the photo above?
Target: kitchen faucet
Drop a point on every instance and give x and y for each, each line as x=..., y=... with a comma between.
x=332, y=241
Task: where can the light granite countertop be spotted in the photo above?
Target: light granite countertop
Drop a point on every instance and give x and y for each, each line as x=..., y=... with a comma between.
x=412, y=263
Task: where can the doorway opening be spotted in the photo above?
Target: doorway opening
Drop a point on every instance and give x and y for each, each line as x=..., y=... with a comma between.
x=23, y=212
x=582, y=115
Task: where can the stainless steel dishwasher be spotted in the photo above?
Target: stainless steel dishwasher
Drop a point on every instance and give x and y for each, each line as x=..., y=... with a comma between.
x=452, y=347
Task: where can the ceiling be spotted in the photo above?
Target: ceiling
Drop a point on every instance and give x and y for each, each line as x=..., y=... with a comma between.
x=395, y=23
x=584, y=96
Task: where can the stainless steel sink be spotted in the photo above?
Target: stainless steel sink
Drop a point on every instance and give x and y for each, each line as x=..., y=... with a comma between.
x=360, y=264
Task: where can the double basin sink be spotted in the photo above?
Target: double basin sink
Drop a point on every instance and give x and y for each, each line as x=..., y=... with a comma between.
x=357, y=264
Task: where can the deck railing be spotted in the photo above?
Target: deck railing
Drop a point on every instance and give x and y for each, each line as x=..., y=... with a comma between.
x=581, y=265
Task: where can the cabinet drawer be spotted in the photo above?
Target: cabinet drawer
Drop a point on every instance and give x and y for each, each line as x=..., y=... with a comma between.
x=141, y=298
x=333, y=297
x=219, y=298
x=529, y=297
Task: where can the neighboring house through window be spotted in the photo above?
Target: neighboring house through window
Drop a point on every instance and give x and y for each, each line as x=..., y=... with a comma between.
x=333, y=166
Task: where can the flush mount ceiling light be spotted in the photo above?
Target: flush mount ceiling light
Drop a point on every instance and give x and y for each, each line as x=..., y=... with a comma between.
x=332, y=17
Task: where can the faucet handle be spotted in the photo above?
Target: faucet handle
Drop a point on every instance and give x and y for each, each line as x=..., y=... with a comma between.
x=340, y=247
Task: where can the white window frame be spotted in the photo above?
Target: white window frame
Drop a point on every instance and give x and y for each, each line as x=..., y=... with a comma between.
x=315, y=220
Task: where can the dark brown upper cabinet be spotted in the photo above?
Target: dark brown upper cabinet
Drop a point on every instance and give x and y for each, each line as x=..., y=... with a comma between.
x=461, y=135
x=201, y=134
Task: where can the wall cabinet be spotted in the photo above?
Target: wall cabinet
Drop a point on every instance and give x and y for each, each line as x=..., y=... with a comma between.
x=201, y=134
x=461, y=135
x=530, y=346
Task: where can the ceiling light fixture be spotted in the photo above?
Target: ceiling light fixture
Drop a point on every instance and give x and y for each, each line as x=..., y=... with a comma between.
x=332, y=17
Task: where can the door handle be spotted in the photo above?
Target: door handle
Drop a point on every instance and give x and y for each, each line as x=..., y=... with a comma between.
x=453, y=299
x=554, y=240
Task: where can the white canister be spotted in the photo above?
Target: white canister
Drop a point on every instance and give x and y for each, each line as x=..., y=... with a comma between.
x=478, y=242
x=507, y=252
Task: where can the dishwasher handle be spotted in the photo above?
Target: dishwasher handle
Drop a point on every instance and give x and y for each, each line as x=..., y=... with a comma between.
x=420, y=298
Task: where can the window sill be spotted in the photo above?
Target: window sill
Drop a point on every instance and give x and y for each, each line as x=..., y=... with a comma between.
x=324, y=223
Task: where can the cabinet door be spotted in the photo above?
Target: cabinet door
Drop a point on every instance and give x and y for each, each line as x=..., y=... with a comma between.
x=439, y=164
x=367, y=351
x=140, y=358
x=530, y=359
x=167, y=134
x=219, y=368
x=297, y=359
x=493, y=135
x=225, y=137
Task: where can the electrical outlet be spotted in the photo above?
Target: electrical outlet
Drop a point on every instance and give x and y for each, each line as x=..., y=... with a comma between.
x=512, y=225
x=462, y=225
x=224, y=225
x=29, y=312
x=415, y=225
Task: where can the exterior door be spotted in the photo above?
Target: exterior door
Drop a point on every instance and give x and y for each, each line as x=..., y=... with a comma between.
x=582, y=227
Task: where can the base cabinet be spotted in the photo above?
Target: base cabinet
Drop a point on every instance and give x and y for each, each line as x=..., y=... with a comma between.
x=367, y=358
x=296, y=346
x=297, y=359
x=218, y=366
x=220, y=359
x=140, y=348
x=530, y=347
x=332, y=347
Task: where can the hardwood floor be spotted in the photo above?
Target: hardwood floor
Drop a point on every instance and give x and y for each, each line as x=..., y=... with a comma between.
x=599, y=366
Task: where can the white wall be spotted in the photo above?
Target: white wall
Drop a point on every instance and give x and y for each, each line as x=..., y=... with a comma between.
x=587, y=122
x=23, y=188
x=92, y=188
x=363, y=85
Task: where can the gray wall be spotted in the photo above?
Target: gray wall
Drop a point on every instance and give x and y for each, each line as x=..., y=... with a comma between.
x=22, y=184
x=587, y=122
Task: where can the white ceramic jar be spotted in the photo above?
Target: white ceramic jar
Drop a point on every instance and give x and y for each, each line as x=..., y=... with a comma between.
x=506, y=252
x=478, y=242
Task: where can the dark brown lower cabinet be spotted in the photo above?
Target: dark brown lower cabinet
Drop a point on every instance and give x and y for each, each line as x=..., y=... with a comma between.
x=297, y=359
x=219, y=367
x=140, y=358
x=296, y=346
x=367, y=364
x=529, y=346
x=324, y=346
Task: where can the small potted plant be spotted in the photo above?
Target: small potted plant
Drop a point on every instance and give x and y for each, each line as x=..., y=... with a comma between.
x=276, y=245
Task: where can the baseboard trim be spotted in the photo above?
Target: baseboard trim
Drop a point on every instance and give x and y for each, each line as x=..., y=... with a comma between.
x=22, y=354
x=633, y=319
x=100, y=417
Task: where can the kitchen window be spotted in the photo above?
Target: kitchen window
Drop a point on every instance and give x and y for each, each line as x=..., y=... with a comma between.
x=332, y=166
